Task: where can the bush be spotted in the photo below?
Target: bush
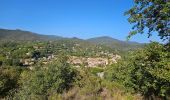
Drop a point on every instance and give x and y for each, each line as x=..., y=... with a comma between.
x=96, y=70
x=151, y=70
x=147, y=71
x=9, y=77
x=91, y=87
x=45, y=81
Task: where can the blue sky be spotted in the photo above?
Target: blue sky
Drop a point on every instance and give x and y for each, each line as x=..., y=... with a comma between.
x=70, y=18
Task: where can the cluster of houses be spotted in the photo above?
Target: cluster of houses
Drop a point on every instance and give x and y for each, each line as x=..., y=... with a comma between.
x=76, y=61
x=93, y=61
x=32, y=61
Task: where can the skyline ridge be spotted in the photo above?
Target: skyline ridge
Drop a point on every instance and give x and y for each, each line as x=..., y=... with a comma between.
x=53, y=35
x=76, y=18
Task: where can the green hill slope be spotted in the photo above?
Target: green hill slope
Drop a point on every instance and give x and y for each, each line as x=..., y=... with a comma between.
x=114, y=43
x=105, y=41
x=20, y=35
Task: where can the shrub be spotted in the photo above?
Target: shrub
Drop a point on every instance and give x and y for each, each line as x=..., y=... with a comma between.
x=146, y=71
x=45, y=81
x=151, y=71
x=91, y=87
x=9, y=77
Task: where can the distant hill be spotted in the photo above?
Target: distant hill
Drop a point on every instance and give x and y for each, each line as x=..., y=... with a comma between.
x=20, y=35
x=114, y=43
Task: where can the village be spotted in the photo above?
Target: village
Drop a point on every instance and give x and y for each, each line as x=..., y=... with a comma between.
x=93, y=61
x=74, y=60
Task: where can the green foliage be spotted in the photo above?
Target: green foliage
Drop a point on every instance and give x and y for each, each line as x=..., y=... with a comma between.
x=9, y=77
x=2, y=58
x=119, y=46
x=56, y=78
x=151, y=70
x=120, y=73
x=17, y=53
x=95, y=70
x=45, y=81
x=20, y=35
x=74, y=46
x=90, y=87
x=146, y=71
x=8, y=62
x=50, y=76
x=152, y=15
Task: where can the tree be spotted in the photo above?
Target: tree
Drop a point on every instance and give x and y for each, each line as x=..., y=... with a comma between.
x=150, y=15
x=150, y=71
x=150, y=67
x=146, y=71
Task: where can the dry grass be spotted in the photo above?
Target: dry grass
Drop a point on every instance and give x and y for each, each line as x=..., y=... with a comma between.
x=77, y=93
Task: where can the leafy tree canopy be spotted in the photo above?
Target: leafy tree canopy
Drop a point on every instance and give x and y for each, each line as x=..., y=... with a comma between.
x=150, y=15
x=146, y=71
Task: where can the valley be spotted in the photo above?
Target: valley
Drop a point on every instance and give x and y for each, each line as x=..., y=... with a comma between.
x=32, y=52
x=84, y=50
x=43, y=49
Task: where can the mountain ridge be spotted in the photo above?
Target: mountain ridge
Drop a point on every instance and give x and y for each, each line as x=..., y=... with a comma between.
x=23, y=32
x=115, y=43
x=21, y=35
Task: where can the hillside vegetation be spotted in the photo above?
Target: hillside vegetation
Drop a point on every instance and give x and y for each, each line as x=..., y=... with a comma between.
x=117, y=44
x=20, y=35
x=43, y=67
x=39, y=67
